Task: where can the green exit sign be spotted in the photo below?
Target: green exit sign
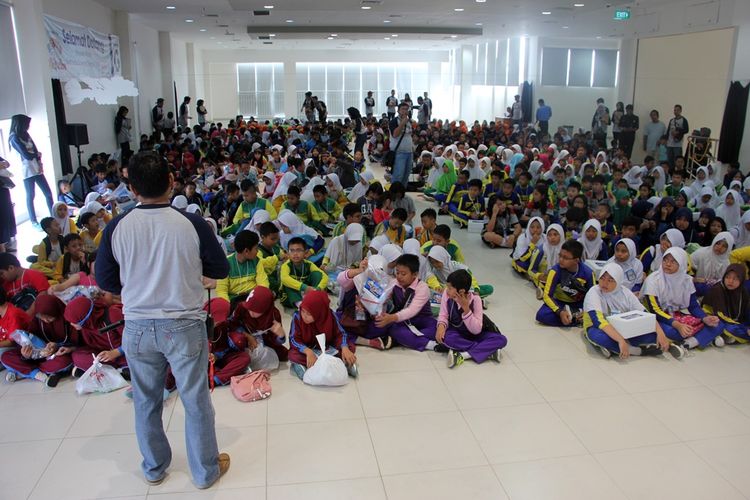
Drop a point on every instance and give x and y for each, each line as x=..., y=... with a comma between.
x=622, y=15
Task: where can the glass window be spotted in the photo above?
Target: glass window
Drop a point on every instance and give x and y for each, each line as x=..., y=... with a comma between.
x=554, y=66
x=579, y=74
x=605, y=68
x=260, y=87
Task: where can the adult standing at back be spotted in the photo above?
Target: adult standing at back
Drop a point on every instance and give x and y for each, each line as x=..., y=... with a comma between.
x=401, y=144
x=543, y=114
x=676, y=130
x=184, y=114
x=600, y=122
x=157, y=118
x=200, y=108
x=369, y=104
x=122, y=133
x=391, y=103
x=423, y=114
x=629, y=124
x=517, y=111
x=428, y=102
x=652, y=133
x=155, y=256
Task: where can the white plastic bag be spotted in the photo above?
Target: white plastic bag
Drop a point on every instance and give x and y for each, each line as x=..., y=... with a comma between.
x=100, y=378
x=327, y=370
x=374, y=285
x=263, y=358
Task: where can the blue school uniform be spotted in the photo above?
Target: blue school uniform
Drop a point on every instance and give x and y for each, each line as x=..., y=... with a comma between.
x=466, y=207
x=665, y=319
x=524, y=193
x=564, y=288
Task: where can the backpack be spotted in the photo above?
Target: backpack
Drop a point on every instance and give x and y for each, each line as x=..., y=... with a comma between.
x=252, y=386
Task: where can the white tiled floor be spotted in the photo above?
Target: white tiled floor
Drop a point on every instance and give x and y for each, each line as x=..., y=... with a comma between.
x=553, y=421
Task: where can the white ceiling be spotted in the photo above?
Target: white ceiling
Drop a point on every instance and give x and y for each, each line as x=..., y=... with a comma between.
x=496, y=19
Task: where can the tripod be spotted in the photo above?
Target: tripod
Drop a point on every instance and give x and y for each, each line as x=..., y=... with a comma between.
x=79, y=179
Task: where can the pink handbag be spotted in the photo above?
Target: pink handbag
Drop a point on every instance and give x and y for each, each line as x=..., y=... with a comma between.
x=252, y=386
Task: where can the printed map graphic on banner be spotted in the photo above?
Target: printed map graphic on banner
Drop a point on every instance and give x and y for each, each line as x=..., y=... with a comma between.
x=87, y=61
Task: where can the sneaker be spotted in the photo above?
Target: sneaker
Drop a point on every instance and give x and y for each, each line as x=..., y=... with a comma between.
x=387, y=342
x=441, y=348
x=718, y=342
x=377, y=344
x=297, y=369
x=539, y=294
x=352, y=371
x=677, y=351
x=77, y=372
x=223, y=468
x=651, y=350
x=484, y=304
x=52, y=380
x=10, y=377
x=454, y=359
x=155, y=482
x=495, y=356
x=605, y=352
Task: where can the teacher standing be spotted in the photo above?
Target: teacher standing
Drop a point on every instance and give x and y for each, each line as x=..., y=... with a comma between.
x=155, y=257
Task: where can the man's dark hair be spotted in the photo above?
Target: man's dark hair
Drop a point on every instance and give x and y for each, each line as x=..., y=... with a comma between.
x=100, y=168
x=350, y=209
x=397, y=188
x=245, y=240
x=268, y=228
x=293, y=191
x=376, y=188
x=411, y=262
x=575, y=248
x=632, y=221
x=70, y=237
x=297, y=241
x=47, y=222
x=430, y=213
x=443, y=230
x=400, y=214
x=475, y=183
x=247, y=185
x=509, y=180
x=460, y=280
x=149, y=174
x=403, y=103
x=231, y=188
x=648, y=159
x=574, y=184
x=7, y=260
x=320, y=188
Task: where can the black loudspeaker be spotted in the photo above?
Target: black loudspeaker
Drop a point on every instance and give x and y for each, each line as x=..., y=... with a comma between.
x=78, y=134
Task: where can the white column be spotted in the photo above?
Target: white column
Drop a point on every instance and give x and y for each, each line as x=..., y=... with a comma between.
x=167, y=81
x=290, y=89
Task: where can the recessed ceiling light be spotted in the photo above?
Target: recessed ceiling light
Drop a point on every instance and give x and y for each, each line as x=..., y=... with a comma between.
x=366, y=7
x=334, y=34
x=546, y=13
x=330, y=38
x=171, y=7
x=481, y=1
x=189, y=20
x=272, y=34
x=290, y=20
x=394, y=36
x=387, y=38
x=578, y=5
x=268, y=6
x=477, y=24
x=598, y=38
x=565, y=27
x=458, y=9
x=202, y=29
x=454, y=36
x=387, y=21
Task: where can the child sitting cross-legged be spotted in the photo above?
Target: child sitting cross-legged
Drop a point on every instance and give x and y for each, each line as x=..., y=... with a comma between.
x=565, y=288
x=51, y=248
x=90, y=232
x=313, y=318
x=461, y=327
x=299, y=276
x=609, y=297
x=394, y=228
x=470, y=206
x=246, y=270
x=74, y=259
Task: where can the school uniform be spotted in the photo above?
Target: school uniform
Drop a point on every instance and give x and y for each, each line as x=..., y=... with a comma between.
x=523, y=193
x=467, y=206
x=563, y=288
x=303, y=211
x=464, y=331
x=242, y=278
x=245, y=212
x=453, y=248
x=731, y=306
x=93, y=315
x=30, y=279
x=14, y=319
x=397, y=236
x=302, y=336
x=295, y=279
x=523, y=254
x=270, y=258
x=230, y=357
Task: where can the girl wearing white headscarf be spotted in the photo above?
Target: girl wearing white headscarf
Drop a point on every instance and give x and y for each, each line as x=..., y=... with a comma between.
x=626, y=256
x=360, y=188
x=669, y=293
x=535, y=170
x=729, y=210
x=285, y=183
x=344, y=251
x=377, y=244
x=546, y=255
x=180, y=202
x=594, y=247
x=486, y=165
x=706, y=198
x=412, y=247
x=307, y=193
x=527, y=243
x=390, y=253
x=652, y=257
x=102, y=217
x=711, y=262
x=441, y=265
x=60, y=213
x=741, y=232
x=660, y=180
x=193, y=209
x=215, y=230
x=701, y=177
x=269, y=184
x=634, y=177
x=475, y=171
x=610, y=297
x=335, y=189
x=259, y=217
x=290, y=226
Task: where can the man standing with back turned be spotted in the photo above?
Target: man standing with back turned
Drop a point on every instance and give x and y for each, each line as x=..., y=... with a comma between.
x=156, y=257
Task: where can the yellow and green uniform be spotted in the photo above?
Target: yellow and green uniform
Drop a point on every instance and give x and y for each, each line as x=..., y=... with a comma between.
x=296, y=278
x=326, y=213
x=243, y=277
x=270, y=257
x=246, y=210
x=395, y=235
x=303, y=211
x=453, y=250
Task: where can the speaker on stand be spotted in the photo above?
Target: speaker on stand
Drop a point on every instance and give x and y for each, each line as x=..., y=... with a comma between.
x=78, y=135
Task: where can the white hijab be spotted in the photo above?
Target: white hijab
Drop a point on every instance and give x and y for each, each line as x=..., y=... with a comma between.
x=289, y=219
x=524, y=241
x=390, y=253
x=673, y=291
x=619, y=300
x=64, y=221
x=180, y=202
x=552, y=253
x=193, y=208
x=707, y=264
x=660, y=182
x=341, y=254
x=378, y=242
x=634, y=177
x=740, y=232
x=435, y=172
x=307, y=194
x=269, y=182
x=337, y=187
x=706, y=190
x=284, y=184
x=412, y=247
x=441, y=255
x=675, y=237
x=697, y=183
x=259, y=217
x=632, y=268
x=215, y=230
x=591, y=249
x=360, y=188
x=475, y=171
x=730, y=213
x=535, y=169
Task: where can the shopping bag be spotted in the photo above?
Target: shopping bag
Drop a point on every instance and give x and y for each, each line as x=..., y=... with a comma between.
x=252, y=386
x=100, y=378
x=327, y=370
x=374, y=285
x=263, y=358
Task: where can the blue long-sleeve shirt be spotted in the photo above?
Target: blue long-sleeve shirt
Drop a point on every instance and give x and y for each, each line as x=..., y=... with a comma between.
x=543, y=113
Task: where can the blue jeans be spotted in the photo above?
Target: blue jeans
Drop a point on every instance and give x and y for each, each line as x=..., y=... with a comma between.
x=150, y=346
x=28, y=184
x=402, y=168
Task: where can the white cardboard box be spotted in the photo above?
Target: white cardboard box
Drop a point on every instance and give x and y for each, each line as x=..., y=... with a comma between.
x=596, y=266
x=476, y=226
x=634, y=323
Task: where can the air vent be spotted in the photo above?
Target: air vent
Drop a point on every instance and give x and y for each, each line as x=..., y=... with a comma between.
x=267, y=43
x=261, y=12
x=210, y=15
x=222, y=25
x=372, y=2
x=264, y=37
x=396, y=15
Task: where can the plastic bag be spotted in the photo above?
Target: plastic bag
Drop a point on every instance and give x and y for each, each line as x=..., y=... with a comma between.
x=374, y=285
x=251, y=386
x=100, y=378
x=263, y=358
x=23, y=339
x=327, y=370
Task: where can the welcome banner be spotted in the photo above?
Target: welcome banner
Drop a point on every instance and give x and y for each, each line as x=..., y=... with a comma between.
x=77, y=51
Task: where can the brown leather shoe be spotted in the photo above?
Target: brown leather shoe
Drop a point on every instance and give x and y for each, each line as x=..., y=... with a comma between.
x=223, y=468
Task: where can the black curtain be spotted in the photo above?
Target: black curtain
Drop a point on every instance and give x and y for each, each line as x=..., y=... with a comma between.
x=733, y=124
x=527, y=97
x=66, y=164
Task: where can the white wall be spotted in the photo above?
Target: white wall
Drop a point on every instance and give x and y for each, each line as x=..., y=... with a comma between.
x=147, y=74
x=180, y=72
x=741, y=71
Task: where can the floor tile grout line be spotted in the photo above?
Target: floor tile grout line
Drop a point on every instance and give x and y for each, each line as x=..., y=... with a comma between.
x=44, y=471
x=717, y=470
x=372, y=441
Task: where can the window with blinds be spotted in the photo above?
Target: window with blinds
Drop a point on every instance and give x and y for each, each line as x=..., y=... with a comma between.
x=12, y=101
x=562, y=67
x=260, y=87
